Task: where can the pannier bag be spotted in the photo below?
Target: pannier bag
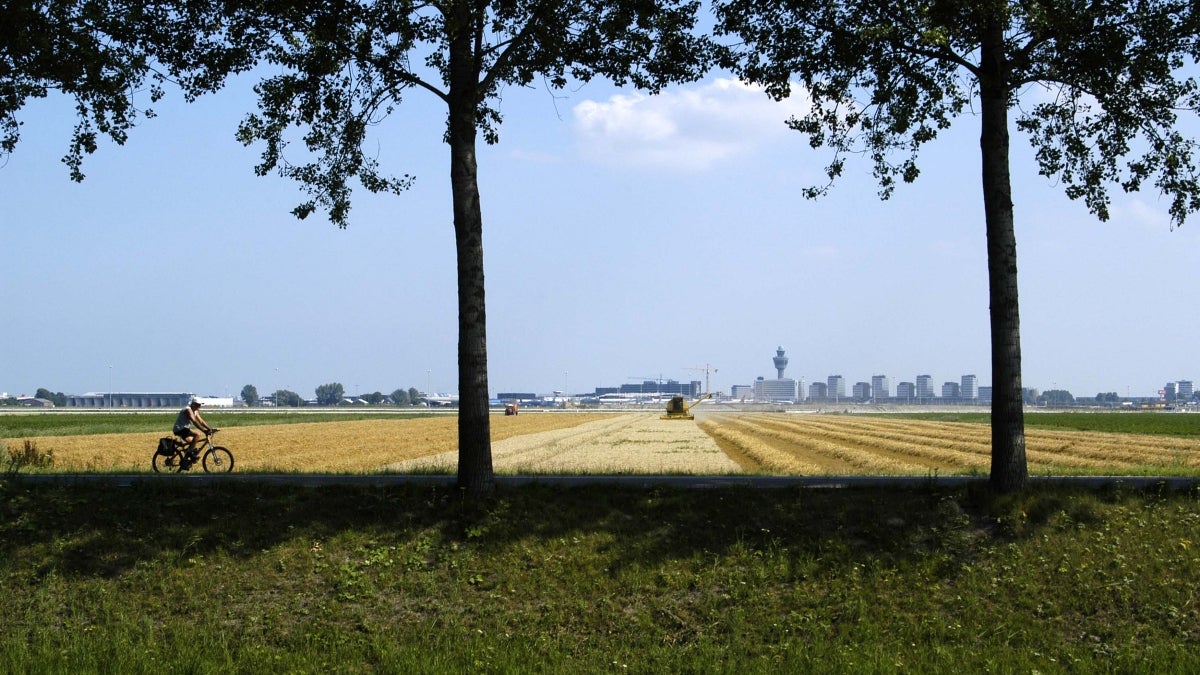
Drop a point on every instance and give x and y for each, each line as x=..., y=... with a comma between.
x=166, y=446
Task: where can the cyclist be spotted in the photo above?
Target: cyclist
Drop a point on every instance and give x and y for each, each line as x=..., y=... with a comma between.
x=188, y=417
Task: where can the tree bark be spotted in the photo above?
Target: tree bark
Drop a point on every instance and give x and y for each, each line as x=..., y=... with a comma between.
x=1009, y=470
x=475, y=473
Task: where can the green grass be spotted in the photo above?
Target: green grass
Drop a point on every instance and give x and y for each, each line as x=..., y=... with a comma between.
x=72, y=424
x=1162, y=424
x=175, y=576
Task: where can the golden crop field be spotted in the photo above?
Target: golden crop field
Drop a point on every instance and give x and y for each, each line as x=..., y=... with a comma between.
x=716, y=443
x=873, y=445
x=313, y=447
x=637, y=443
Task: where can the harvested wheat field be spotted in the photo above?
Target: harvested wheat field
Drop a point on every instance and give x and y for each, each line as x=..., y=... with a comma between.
x=717, y=443
x=850, y=445
x=636, y=443
x=353, y=447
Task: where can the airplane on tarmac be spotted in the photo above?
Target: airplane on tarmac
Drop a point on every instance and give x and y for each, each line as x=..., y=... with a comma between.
x=436, y=400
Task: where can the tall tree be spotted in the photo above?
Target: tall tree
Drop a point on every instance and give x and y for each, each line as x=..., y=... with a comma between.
x=330, y=394
x=346, y=65
x=250, y=395
x=59, y=399
x=885, y=76
x=399, y=397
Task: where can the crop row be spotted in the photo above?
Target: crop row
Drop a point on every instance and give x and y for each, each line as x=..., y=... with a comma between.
x=850, y=444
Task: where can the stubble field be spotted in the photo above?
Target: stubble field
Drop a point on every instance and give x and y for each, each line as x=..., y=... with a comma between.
x=880, y=445
x=641, y=443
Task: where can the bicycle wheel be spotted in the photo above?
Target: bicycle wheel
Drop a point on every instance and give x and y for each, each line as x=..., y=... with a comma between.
x=160, y=463
x=218, y=460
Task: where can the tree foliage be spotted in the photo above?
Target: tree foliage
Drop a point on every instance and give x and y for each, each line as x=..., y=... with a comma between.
x=1097, y=88
x=399, y=397
x=344, y=66
x=285, y=397
x=249, y=395
x=1056, y=397
x=114, y=59
x=886, y=77
x=59, y=399
x=330, y=394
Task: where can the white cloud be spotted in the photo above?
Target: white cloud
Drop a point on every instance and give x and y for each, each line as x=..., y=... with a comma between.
x=687, y=128
x=1136, y=211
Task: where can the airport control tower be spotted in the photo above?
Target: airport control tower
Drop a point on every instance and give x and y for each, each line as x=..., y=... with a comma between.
x=781, y=362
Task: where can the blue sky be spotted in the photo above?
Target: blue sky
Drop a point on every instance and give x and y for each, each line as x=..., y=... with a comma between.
x=626, y=236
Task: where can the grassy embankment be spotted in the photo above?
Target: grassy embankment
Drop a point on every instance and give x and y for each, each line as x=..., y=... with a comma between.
x=174, y=576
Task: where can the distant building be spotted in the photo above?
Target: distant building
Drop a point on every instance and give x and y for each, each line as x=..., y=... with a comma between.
x=1168, y=392
x=516, y=396
x=781, y=362
x=818, y=391
x=120, y=399
x=985, y=395
x=742, y=392
x=775, y=390
x=906, y=392
x=1184, y=391
x=837, y=387
x=950, y=391
x=781, y=388
x=861, y=391
x=970, y=388
x=673, y=387
x=879, y=387
x=924, y=387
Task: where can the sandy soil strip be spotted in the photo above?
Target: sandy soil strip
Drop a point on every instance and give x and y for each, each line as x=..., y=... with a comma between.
x=633, y=443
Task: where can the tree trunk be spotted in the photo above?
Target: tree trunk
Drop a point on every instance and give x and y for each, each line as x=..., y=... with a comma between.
x=475, y=474
x=1009, y=471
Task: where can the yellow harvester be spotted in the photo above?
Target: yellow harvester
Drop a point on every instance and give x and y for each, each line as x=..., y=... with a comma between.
x=679, y=409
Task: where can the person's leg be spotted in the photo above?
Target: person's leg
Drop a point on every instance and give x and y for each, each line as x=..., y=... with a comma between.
x=190, y=439
x=180, y=442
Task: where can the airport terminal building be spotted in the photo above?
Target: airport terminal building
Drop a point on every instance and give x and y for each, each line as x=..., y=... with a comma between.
x=116, y=399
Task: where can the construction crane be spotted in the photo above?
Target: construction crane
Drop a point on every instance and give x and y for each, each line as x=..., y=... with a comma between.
x=679, y=409
x=707, y=370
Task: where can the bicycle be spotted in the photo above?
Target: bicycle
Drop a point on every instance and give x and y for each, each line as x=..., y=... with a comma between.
x=170, y=456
